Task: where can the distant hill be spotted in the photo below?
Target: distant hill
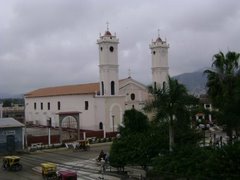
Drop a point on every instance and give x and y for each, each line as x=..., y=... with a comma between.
x=6, y=96
x=195, y=82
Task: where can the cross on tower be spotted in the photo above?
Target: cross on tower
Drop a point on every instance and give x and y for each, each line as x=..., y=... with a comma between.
x=129, y=72
x=107, y=25
x=158, y=32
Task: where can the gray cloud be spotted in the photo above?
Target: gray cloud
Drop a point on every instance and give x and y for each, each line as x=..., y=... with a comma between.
x=48, y=43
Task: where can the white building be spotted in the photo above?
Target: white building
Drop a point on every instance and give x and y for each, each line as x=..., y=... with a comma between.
x=159, y=50
x=99, y=105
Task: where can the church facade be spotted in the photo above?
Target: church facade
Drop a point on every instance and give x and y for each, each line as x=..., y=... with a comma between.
x=100, y=105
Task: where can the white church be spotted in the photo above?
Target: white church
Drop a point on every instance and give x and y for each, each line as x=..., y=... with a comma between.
x=101, y=105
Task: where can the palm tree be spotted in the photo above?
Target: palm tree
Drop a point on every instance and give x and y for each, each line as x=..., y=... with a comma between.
x=222, y=85
x=167, y=104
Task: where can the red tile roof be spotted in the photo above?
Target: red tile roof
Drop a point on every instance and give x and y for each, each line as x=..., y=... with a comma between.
x=91, y=88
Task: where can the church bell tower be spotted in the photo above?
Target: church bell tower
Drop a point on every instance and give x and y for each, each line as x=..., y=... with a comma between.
x=159, y=51
x=108, y=64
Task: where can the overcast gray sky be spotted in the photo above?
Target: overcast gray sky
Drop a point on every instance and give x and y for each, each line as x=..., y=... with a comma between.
x=53, y=42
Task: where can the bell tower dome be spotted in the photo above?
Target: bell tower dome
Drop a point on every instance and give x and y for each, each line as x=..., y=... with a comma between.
x=159, y=51
x=108, y=63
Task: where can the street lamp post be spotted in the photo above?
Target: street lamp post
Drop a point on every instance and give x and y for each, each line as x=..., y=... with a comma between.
x=25, y=123
x=49, y=123
x=113, y=121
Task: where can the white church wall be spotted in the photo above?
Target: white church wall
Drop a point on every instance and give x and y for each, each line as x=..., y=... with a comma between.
x=114, y=111
x=115, y=116
x=69, y=103
x=135, y=95
x=100, y=113
x=109, y=106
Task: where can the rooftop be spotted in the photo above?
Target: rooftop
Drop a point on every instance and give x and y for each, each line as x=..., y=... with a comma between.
x=90, y=88
x=79, y=89
x=9, y=122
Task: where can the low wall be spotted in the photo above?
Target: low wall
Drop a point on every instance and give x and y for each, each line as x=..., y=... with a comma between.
x=42, y=139
x=69, y=135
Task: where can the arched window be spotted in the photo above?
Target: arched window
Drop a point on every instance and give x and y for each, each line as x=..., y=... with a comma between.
x=59, y=105
x=112, y=88
x=132, y=96
x=102, y=84
x=111, y=49
x=164, y=85
x=100, y=125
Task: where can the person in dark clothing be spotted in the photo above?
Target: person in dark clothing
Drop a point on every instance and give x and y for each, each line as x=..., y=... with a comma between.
x=101, y=156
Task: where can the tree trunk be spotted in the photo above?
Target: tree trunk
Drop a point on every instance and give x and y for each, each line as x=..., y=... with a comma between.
x=171, y=134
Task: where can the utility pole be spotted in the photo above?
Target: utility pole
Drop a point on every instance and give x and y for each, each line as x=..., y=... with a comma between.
x=1, y=110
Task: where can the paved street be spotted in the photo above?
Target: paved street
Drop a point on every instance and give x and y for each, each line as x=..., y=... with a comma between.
x=83, y=162
x=86, y=169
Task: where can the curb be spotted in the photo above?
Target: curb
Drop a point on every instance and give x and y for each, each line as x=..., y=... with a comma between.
x=64, y=148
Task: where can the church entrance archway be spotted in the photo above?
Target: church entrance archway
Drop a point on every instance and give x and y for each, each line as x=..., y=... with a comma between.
x=115, y=116
x=69, y=120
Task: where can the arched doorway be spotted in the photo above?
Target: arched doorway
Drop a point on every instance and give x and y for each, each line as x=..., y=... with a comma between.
x=100, y=125
x=69, y=120
x=116, y=114
x=69, y=126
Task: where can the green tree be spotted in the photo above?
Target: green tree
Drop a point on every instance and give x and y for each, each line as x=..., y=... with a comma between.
x=131, y=147
x=199, y=163
x=223, y=88
x=7, y=103
x=133, y=122
x=170, y=104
